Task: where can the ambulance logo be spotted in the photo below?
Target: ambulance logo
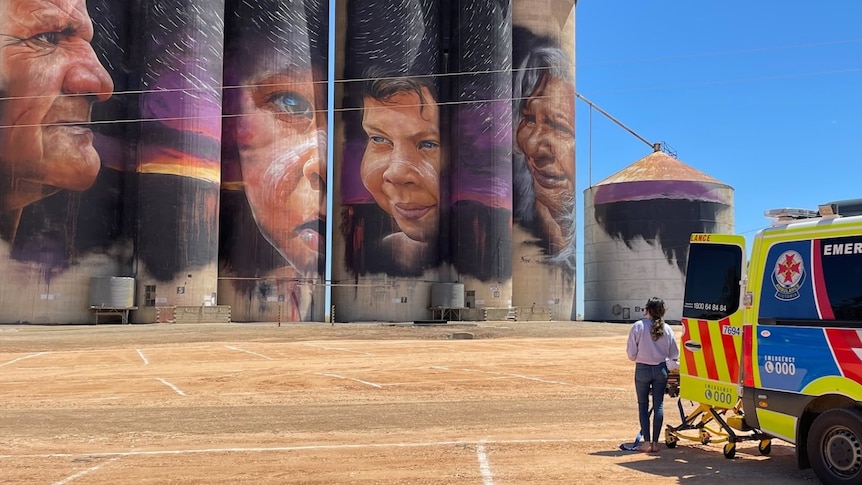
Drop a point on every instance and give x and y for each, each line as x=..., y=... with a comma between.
x=788, y=275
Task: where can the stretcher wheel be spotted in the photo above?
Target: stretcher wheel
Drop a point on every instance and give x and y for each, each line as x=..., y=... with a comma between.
x=765, y=447
x=729, y=450
x=670, y=440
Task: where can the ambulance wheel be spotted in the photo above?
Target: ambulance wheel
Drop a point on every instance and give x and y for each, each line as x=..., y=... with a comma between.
x=729, y=450
x=765, y=447
x=835, y=446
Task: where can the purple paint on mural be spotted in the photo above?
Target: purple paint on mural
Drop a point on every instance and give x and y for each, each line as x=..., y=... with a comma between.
x=180, y=65
x=170, y=103
x=352, y=189
x=480, y=225
x=485, y=151
x=661, y=189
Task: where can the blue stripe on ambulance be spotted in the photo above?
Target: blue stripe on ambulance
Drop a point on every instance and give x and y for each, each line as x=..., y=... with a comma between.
x=790, y=358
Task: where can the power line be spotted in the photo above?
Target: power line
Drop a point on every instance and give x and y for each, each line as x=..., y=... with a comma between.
x=285, y=86
x=292, y=83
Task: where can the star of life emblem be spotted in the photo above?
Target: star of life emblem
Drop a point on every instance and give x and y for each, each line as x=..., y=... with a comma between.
x=788, y=275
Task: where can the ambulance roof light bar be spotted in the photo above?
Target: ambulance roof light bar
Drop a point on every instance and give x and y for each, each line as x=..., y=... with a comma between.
x=828, y=210
x=787, y=214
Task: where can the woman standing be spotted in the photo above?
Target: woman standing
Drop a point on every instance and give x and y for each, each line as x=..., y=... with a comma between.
x=651, y=343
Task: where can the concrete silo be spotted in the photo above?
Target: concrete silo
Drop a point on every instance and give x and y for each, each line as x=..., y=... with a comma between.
x=637, y=225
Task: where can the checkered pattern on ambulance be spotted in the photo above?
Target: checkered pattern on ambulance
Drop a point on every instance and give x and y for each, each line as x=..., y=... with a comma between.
x=710, y=355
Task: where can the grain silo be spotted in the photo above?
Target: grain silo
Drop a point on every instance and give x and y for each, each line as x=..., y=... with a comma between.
x=637, y=225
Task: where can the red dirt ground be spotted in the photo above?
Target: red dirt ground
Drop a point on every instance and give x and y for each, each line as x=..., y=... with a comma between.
x=520, y=403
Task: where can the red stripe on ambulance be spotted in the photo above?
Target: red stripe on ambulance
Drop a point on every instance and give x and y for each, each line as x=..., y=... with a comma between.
x=847, y=346
x=709, y=355
x=690, y=364
x=730, y=355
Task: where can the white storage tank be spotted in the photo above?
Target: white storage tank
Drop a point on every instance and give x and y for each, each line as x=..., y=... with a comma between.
x=447, y=295
x=112, y=292
x=637, y=225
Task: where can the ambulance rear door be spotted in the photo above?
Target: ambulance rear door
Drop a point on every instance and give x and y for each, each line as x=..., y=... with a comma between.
x=711, y=342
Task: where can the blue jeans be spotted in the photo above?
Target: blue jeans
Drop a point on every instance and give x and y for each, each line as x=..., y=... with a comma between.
x=651, y=379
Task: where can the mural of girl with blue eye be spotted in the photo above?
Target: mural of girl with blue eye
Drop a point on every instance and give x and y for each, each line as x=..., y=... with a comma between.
x=274, y=158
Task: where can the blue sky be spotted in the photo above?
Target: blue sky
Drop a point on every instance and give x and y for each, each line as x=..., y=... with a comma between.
x=765, y=96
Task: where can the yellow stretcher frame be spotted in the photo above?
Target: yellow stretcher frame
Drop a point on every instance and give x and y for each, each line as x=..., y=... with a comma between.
x=709, y=424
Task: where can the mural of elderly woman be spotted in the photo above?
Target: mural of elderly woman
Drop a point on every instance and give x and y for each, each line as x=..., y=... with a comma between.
x=275, y=131
x=544, y=154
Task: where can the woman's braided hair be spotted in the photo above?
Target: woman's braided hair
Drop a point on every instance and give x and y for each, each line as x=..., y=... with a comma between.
x=655, y=309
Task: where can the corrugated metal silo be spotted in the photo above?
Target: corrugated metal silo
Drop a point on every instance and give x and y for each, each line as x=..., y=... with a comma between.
x=637, y=225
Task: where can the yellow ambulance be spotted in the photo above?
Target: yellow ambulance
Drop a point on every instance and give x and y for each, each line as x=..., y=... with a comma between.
x=779, y=338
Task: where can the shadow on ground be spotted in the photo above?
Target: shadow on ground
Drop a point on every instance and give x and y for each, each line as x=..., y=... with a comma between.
x=702, y=464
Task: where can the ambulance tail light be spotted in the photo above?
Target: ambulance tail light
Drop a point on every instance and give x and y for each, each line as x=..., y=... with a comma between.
x=747, y=376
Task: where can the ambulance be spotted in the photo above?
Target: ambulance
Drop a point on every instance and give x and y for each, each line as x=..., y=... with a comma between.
x=778, y=338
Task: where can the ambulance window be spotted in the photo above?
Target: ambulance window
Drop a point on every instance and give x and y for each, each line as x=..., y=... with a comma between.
x=712, y=281
x=842, y=272
x=813, y=282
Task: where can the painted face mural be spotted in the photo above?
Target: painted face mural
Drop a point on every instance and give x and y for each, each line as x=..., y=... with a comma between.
x=392, y=158
x=546, y=136
x=273, y=204
x=401, y=164
x=543, y=158
x=49, y=79
x=544, y=155
x=282, y=145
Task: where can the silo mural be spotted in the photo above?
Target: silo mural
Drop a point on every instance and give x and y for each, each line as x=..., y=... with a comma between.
x=392, y=162
x=637, y=228
x=544, y=156
x=273, y=211
x=178, y=151
x=184, y=144
x=60, y=197
x=481, y=147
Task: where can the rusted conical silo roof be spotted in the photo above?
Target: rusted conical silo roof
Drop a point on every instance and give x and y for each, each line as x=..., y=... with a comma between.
x=658, y=175
x=658, y=166
x=640, y=221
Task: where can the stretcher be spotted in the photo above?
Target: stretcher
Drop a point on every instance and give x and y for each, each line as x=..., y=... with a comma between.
x=709, y=424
